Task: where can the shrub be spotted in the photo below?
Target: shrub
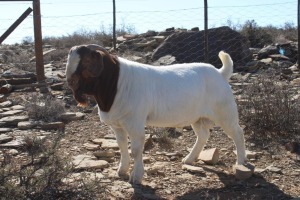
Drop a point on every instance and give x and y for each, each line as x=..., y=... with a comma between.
x=40, y=175
x=270, y=106
x=45, y=108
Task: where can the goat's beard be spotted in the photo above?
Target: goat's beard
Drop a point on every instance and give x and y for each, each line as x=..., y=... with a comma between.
x=80, y=98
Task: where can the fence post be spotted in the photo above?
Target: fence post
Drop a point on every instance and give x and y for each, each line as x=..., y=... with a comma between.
x=114, y=24
x=298, y=62
x=38, y=41
x=206, y=31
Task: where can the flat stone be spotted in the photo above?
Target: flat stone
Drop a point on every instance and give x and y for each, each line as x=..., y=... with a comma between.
x=6, y=104
x=5, y=130
x=193, y=169
x=91, y=147
x=159, y=38
x=107, y=143
x=156, y=168
x=13, y=120
x=17, y=107
x=104, y=154
x=57, y=86
x=243, y=172
x=52, y=125
x=10, y=113
x=110, y=136
x=5, y=138
x=87, y=162
x=210, y=156
x=26, y=125
x=266, y=60
x=13, y=152
x=13, y=144
x=72, y=116
x=271, y=168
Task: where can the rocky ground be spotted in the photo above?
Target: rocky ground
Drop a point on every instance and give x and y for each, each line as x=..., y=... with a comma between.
x=93, y=147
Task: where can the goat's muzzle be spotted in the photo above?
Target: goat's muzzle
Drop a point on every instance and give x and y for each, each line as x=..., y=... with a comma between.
x=78, y=94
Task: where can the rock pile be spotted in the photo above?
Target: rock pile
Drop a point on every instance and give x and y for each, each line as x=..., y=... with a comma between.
x=184, y=46
x=14, y=121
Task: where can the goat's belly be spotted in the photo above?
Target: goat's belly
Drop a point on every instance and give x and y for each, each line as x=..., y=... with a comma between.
x=171, y=121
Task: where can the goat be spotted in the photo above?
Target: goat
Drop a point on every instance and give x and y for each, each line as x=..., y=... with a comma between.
x=131, y=95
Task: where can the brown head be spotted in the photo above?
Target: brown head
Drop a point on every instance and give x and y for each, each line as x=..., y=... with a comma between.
x=91, y=70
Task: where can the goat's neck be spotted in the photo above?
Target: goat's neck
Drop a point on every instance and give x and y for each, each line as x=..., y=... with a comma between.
x=106, y=85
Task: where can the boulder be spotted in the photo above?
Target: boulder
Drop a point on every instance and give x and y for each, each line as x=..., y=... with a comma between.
x=188, y=46
x=266, y=51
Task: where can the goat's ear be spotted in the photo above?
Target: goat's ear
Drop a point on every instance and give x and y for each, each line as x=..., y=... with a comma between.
x=93, y=64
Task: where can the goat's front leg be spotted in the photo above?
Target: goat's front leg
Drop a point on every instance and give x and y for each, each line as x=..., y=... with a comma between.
x=137, y=137
x=122, y=140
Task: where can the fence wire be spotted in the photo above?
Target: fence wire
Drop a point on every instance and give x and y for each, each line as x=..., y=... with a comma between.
x=186, y=45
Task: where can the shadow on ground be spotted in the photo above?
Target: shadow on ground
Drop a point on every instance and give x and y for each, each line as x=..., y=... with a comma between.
x=254, y=188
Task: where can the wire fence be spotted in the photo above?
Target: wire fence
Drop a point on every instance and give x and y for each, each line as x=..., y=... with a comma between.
x=185, y=45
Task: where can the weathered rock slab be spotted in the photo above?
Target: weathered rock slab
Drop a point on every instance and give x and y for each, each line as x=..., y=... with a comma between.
x=193, y=169
x=5, y=138
x=10, y=113
x=107, y=143
x=209, y=156
x=13, y=120
x=243, y=172
x=6, y=104
x=85, y=162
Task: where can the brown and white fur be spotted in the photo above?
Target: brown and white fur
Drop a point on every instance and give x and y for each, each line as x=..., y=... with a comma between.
x=131, y=95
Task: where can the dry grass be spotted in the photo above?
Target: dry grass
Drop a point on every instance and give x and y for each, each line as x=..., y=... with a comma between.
x=45, y=108
x=270, y=106
x=40, y=175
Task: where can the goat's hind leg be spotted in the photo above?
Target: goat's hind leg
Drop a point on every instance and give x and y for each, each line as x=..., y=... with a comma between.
x=201, y=129
x=237, y=134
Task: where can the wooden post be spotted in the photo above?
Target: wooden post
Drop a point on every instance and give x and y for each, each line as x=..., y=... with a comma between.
x=38, y=41
x=206, y=31
x=114, y=25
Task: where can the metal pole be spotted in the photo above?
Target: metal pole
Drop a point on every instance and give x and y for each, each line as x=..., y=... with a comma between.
x=298, y=62
x=206, y=31
x=38, y=41
x=15, y=24
x=114, y=25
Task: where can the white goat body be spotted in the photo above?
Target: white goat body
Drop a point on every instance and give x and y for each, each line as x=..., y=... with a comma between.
x=177, y=95
x=169, y=96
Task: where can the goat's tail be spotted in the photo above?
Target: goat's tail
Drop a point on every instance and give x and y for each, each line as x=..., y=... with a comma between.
x=227, y=68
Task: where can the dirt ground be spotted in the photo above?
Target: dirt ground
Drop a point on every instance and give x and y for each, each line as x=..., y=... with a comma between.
x=217, y=182
x=277, y=174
